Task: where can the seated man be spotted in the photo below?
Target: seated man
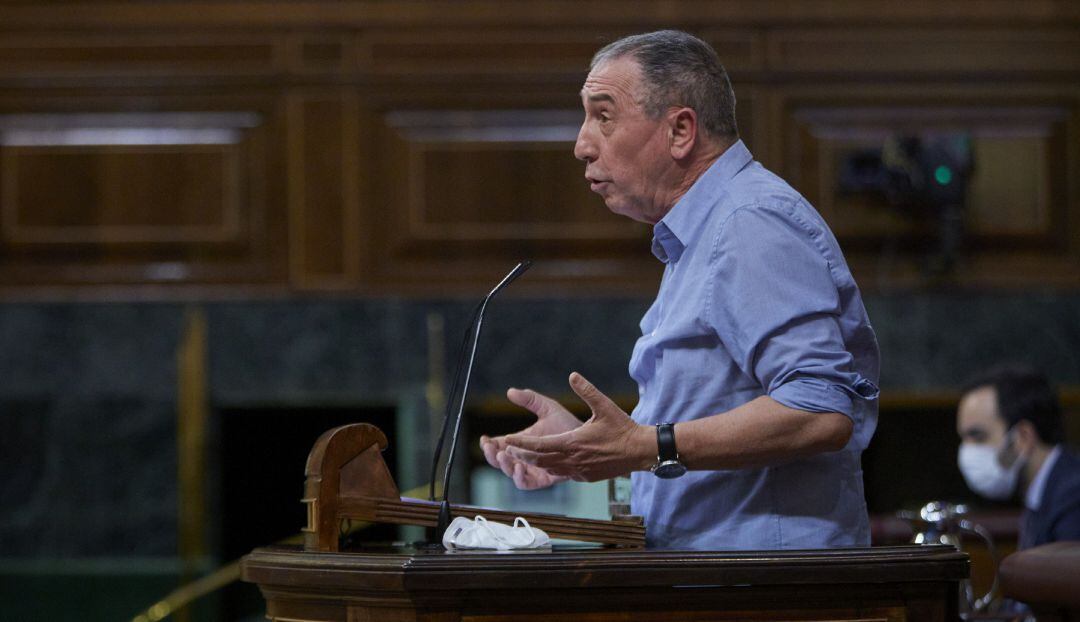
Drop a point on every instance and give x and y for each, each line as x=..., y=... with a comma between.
x=1011, y=435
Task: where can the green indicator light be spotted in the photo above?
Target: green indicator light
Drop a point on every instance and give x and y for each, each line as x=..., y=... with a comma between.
x=943, y=175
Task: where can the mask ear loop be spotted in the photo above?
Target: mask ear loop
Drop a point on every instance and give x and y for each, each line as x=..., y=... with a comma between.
x=1010, y=447
x=524, y=524
x=482, y=523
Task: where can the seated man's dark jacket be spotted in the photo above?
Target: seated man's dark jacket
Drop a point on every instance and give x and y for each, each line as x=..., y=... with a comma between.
x=1058, y=516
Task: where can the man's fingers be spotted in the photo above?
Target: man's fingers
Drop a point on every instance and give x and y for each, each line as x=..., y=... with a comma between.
x=518, y=467
x=490, y=449
x=597, y=401
x=539, y=405
x=526, y=478
x=506, y=463
x=524, y=455
x=541, y=444
x=520, y=397
x=542, y=460
x=518, y=475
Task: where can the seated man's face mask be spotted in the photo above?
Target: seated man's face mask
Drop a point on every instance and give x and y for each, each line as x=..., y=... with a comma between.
x=984, y=472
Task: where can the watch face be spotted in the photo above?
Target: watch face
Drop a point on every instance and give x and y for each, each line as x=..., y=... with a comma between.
x=669, y=470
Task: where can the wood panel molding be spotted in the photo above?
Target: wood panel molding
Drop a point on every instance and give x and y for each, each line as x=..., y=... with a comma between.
x=934, y=50
x=319, y=14
x=138, y=55
x=467, y=191
x=145, y=197
x=324, y=202
x=98, y=179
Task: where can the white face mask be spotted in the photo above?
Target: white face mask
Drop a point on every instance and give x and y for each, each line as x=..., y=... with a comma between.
x=480, y=533
x=984, y=474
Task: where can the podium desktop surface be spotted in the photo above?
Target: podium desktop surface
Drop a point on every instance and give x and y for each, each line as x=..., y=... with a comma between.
x=404, y=583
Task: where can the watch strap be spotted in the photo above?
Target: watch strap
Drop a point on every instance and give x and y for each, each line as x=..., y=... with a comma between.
x=665, y=443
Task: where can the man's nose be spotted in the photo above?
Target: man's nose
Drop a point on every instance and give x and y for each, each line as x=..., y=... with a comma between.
x=584, y=148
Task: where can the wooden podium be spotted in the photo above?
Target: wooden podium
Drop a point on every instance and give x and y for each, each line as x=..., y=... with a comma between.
x=347, y=479
x=397, y=584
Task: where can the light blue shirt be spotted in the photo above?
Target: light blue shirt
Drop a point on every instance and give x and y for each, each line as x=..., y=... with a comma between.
x=756, y=299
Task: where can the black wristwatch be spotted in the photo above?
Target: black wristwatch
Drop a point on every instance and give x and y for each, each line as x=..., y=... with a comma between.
x=667, y=457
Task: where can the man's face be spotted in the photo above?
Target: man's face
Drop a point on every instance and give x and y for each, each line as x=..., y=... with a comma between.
x=626, y=154
x=978, y=420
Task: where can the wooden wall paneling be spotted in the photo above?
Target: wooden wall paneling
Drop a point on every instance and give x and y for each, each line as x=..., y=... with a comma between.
x=439, y=54
x=323, y=171
x=89, y=15
x=748, y=119
x=322, y=52
x=741, y=50
x=86, y=179
x=129, y=57
x=87, y=194
x=470, y=191
x=934, y=51
x=487, y=157
x=1019, y=202
x=1015, y=140
x=296, y=66
x=525, y=54
x=178, y=193
x=388, y=200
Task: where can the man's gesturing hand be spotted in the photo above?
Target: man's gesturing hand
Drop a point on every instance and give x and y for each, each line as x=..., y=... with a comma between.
x=551, y=418
x=609, y=444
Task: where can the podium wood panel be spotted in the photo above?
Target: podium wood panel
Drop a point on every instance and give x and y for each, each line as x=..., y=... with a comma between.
x=890, y=584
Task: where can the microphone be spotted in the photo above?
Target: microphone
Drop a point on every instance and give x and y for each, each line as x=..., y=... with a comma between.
x=473, y=330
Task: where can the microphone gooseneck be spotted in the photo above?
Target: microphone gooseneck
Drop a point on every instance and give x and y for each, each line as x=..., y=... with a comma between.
x=451, y=399
x=473, y=330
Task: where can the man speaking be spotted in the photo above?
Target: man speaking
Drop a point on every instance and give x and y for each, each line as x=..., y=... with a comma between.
x=757, y=364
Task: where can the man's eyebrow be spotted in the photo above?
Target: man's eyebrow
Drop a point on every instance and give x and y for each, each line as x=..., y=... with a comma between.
x=598, y=97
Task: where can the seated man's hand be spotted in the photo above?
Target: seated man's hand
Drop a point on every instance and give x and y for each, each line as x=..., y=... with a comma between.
x=608, y=445
x=551, y=418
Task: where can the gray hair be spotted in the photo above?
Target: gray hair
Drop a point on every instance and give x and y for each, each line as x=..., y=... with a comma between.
x=678, y=69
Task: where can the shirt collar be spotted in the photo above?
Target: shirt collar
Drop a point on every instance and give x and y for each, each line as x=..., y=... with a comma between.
x=1034, y=495
x=677, y=228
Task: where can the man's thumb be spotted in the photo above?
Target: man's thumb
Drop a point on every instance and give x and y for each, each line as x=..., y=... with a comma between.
x=597, y=401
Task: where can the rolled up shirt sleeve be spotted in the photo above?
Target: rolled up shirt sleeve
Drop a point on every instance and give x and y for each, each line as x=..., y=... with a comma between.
x=775, y=306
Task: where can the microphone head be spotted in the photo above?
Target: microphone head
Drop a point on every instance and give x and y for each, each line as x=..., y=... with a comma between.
x=518, y=270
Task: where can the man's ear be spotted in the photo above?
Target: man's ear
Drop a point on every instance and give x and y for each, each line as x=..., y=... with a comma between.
x=1027, y=437
x=683, y=126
